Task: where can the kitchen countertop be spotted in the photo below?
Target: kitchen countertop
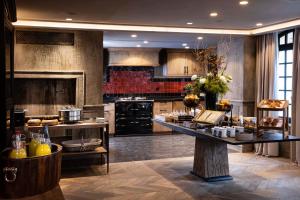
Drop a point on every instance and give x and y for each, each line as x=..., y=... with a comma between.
x=153, y=100
x=134, y=100
x=267, y=137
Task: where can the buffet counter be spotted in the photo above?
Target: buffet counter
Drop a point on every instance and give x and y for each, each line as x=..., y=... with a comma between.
x=211, y=154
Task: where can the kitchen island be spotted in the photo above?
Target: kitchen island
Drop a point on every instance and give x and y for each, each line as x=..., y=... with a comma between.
x=211, y=153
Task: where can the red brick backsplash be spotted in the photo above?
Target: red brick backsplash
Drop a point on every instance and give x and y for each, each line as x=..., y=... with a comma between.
x=137, y=82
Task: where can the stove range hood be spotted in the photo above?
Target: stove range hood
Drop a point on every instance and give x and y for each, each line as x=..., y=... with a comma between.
x=133, y=57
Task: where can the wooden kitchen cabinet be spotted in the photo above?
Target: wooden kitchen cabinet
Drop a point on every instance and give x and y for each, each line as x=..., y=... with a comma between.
x=176, y=64
x=182, y=64
x=193, y=66
x=109, y=115
x=178, y=106
x=159, y=108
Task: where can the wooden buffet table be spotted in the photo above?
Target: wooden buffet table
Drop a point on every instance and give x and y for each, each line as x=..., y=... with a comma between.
x=211, y=154
x=104, y=149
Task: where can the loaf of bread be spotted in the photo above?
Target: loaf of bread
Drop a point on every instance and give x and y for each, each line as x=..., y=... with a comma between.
x=34, y=122
x=50, y=122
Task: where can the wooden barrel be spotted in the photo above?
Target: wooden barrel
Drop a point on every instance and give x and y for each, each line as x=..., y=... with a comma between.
x=29, y=176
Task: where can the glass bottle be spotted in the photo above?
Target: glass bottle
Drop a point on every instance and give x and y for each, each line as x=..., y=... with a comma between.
x=42, y=148
x=45, y=132
x=35, y=141
x=19, y=147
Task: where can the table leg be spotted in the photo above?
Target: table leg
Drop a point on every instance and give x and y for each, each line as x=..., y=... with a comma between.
x=107, y=146
x=211, y=160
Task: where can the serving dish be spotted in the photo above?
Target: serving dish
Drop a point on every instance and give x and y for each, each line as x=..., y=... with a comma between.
x=81, y=145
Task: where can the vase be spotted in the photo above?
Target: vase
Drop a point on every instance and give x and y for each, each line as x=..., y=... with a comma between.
x=211, y=100
x=191, y=100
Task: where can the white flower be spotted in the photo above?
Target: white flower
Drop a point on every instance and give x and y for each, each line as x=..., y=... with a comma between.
x=209, y=74
x=229, y=78
x=194, y=77
x=223, y=78
x=202, y=80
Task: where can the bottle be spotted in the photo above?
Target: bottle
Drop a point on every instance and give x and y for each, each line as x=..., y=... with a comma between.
x=19, y=149
x=43, y=148
x=35, y=141
x=45, y=131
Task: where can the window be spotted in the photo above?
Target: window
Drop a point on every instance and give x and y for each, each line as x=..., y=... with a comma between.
x=284, y=69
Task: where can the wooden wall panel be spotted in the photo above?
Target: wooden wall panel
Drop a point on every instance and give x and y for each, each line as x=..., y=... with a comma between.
x=44, y=37
x=85, y=55
x=44, y=96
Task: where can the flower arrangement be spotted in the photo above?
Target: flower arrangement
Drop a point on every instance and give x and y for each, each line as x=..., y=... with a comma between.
x=213, y=83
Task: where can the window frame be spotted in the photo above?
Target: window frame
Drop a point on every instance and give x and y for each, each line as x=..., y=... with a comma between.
x=285, y=47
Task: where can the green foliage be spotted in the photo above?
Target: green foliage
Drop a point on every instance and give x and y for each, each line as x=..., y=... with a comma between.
x=216, y=85
x=188, y=87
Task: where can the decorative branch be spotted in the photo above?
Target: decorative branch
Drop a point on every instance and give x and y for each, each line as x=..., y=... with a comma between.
x=208, y=58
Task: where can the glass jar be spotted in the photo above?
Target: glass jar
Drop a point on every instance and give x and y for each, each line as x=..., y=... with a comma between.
x=43, y=148
x=35, y=141
x=18, y=147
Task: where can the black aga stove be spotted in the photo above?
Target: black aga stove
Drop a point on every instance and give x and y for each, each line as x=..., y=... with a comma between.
x=133, y=117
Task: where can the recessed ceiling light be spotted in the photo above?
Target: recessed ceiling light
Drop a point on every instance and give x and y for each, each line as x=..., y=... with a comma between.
x=146, y=42
x=200, y=38
x=259, y=24
x=189, y=23
x=243, y=3
x=184, y=44
x=213, y=14
x=133, y=35
x=138, y=45
x=187, y=47
x=69, y=19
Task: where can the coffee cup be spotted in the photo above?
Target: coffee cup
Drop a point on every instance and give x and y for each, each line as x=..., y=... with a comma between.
x=230, y=131
x=239, y=129
x=212, y=130
x=222, y=132
x=216, y=131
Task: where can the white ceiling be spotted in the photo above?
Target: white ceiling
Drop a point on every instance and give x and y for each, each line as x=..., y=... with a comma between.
x=173, y=13
x=162, y=12
x=160, y=40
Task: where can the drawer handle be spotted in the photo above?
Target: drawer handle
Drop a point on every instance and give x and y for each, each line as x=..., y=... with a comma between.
x=13, y=172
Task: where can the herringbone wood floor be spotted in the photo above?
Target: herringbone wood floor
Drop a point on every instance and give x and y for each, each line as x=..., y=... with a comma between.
x=254, y=178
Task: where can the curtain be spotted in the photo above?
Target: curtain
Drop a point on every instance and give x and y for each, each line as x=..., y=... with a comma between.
x=295, y=147
x=266, y=61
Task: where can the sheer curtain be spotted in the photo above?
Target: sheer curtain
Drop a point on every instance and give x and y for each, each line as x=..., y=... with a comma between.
x=295, y=147
x=266, y=61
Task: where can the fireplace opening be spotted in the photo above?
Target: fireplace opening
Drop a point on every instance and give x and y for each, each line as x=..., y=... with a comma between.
x=44, y=96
